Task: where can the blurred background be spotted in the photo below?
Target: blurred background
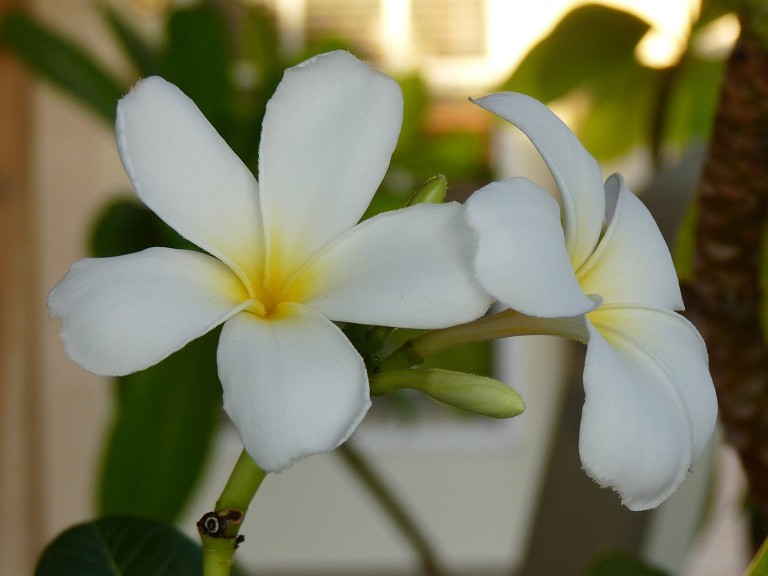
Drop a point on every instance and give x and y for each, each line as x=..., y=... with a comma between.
x=638, y=81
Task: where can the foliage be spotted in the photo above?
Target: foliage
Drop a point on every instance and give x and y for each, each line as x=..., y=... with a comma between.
x=619, y=564
x=121, y=546
x=592, y=51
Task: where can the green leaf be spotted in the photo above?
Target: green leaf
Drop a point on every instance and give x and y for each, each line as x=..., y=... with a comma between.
x=144, y=56
x=588, y=45
x=619, y=116
x=685, y=245
x=165, y=421
x=62, y=62
x=198, y=62
x=694, y=99
x=125, y=226
x=121, y=546
x=620, y=564
x=759, y=564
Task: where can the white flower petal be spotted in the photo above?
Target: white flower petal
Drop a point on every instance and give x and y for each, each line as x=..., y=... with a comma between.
x=677, y=346
x=576, y=172
x=327, y=139
x=635, y=431
x=185, y=172
x=123, y=314
x=293, y=384
x=521, y=256
x=632, y=263
x=411, y=268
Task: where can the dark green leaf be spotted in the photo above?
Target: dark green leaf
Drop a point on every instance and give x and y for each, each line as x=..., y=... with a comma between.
x=144, y=56
x=125, y=226
x=62, y=62
x=198, y=61
x=589, y=44
x=121, y=546
x=619, y=564
x=165, y=420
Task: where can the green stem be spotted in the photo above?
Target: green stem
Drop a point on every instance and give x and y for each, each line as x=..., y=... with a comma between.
x=219, y=530
x=396, y=512
x=243, y=483
x=502, y=325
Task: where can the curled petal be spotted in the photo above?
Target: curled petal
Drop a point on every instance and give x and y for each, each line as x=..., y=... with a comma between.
x=636, y=434
x=328, y=135
x=123, y=314
x=576, y=172
x=632, y=263
x=185, y=172
x=410, y=268
x=674, y=343
x=293, y=384
x=521, y=255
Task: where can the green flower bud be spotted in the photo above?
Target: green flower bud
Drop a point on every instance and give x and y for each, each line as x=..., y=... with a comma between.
x=432, y=192
x=476, y=394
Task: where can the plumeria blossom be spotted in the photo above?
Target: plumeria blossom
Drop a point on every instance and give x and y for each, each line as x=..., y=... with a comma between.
x=650, y=405
x=285, y=256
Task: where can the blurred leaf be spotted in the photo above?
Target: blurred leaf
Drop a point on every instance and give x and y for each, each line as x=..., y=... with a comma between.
x=587, y=46
x=124, y=226
x=198, y=61
x=694, y=99
x=620, y=564
x=261, y=40
x=713, y=9
x=121, y=546
x=166, y=417
x=62, y=62
x=144, y=57
x=759, y=564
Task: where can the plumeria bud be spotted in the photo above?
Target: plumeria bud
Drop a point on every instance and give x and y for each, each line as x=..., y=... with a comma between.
x=432, y=192
x=477, y=394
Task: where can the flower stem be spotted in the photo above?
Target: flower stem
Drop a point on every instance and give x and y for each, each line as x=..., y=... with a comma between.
x=219, y=530
x=396, y=512
x=502, y=325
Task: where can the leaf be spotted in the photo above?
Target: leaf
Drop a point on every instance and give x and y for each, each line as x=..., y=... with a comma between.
x=124, y=226
x=144, y=57
x=621, y=564
x=694, y=99
x=619, y=116
x=198, y=61
x=121, y=546
x=587, y=46
x=759, y=564
x=165, y=421
x=62, y=62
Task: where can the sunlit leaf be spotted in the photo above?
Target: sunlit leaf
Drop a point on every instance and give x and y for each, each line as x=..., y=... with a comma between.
x=121, y=546
x=61, y=61
x=589, y=44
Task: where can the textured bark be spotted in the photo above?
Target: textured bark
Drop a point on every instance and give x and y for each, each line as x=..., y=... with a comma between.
x=724, y=296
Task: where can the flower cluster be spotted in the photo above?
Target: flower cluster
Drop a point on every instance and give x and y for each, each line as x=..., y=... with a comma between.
x=285, y=259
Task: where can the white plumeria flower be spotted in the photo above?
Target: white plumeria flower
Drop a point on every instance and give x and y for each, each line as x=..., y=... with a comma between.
x=287, y=256
x=650, y=404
